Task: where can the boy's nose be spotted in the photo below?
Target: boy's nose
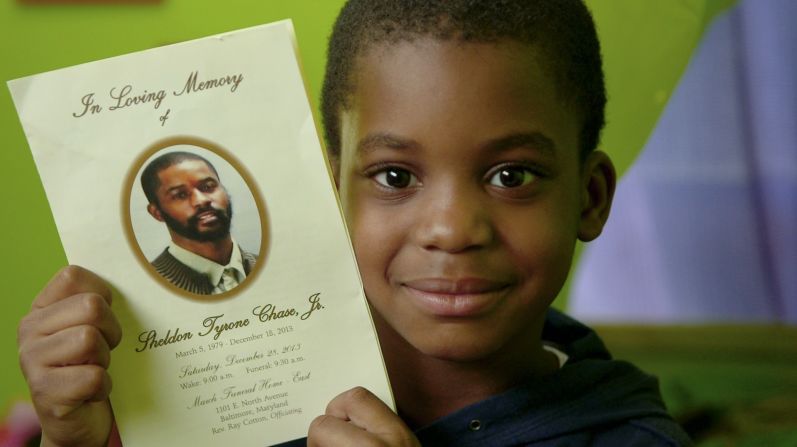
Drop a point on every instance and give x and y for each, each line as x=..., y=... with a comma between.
x=454, y=222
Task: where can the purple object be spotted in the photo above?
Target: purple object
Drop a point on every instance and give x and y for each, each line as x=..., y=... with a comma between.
x=703, y=225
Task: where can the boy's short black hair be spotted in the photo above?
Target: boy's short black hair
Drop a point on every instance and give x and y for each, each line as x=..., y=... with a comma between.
x=562, y=30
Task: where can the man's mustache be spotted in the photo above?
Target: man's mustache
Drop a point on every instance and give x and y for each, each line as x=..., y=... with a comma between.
x=221, y=214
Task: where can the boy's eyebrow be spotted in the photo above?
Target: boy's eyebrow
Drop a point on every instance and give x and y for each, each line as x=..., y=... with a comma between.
x=381, y=139
x=533, y=140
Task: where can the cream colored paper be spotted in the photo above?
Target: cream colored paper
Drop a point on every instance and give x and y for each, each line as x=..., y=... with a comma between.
x=297, y=330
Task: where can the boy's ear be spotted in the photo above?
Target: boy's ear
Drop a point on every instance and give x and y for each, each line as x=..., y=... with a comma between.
x=155, y=212
x=598, y=182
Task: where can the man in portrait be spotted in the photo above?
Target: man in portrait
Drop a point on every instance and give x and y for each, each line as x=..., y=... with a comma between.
x=184, y=192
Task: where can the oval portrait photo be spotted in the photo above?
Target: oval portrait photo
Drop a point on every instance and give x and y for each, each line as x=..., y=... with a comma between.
x=195, y=218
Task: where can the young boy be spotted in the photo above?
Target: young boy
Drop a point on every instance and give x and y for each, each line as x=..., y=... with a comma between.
x=462, y=134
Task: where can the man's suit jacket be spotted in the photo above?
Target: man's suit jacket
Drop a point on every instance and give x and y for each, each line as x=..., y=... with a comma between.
x=189, y=279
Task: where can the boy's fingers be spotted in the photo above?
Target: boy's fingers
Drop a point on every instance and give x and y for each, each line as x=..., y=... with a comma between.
x=78, y=345
x=364, y=413
x=76, y=310
x=71, y=280
x=64, y=389
x=330, y=431
x=363, y=409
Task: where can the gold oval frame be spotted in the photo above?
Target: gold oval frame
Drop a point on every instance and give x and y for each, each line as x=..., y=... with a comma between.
x=132, y=240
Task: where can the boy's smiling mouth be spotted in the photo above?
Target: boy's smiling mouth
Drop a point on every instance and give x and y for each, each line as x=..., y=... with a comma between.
x=455, y=298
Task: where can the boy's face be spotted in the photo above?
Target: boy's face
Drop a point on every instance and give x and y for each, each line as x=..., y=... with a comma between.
x=462, y=187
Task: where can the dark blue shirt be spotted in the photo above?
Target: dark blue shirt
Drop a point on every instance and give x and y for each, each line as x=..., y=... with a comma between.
x=592, y=400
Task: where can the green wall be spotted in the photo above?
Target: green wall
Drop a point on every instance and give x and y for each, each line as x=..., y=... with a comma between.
x=646, y=47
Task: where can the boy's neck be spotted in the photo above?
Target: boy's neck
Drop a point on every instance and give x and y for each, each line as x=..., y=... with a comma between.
x=428, y=388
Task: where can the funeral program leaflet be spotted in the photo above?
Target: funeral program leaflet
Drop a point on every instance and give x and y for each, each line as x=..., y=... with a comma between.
x=191, y=177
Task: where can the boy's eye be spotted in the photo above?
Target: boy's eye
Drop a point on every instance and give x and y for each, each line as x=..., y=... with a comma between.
x=512, y=177
x=395, y=178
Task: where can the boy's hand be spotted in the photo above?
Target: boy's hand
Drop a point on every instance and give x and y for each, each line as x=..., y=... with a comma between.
x=64, y=351
x=357, y=417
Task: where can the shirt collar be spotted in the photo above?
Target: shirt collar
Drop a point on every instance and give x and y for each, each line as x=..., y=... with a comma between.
x=207, y=267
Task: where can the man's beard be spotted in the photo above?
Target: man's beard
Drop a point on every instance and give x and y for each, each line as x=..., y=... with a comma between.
x=191, y=229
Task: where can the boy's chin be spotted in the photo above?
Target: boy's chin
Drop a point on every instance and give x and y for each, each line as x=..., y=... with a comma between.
x=462, y=346
x=468, y=341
